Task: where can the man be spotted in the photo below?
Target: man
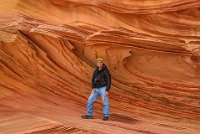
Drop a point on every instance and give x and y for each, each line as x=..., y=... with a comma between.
x=101, y=82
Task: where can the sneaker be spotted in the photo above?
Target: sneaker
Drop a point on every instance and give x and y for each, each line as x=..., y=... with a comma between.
x=105, y=118
x=86, y=117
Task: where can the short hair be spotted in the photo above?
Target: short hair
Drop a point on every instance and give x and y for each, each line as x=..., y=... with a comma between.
x=99, y=59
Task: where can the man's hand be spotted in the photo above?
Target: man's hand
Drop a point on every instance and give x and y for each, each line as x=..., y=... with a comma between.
x=106, y=93
x=93, y=90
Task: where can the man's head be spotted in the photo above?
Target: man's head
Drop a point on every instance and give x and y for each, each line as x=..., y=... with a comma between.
x=99, y=62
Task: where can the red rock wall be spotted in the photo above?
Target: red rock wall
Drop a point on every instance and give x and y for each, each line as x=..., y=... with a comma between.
x=47, y=55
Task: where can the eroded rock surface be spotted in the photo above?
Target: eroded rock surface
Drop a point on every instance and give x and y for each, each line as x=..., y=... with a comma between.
x=47, y=55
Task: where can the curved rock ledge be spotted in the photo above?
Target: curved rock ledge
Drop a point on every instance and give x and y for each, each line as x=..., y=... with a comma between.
x=47, y=55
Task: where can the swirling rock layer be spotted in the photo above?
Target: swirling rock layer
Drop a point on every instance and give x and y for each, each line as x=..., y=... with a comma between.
x=47, y=55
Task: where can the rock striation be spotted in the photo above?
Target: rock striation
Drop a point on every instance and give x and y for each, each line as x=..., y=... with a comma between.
x=47, y=56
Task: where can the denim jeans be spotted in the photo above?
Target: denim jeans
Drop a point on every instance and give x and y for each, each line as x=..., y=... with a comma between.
x=94, y=96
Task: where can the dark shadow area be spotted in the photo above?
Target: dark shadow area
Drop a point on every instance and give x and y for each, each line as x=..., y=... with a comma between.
x=122, y=118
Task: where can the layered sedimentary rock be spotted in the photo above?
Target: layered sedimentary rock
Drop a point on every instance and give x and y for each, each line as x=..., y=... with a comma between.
x=47, y=55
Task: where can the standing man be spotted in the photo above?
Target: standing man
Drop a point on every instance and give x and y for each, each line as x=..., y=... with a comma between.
x=101, y=82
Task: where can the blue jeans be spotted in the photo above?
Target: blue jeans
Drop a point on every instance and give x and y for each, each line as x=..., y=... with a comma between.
x=94, y=96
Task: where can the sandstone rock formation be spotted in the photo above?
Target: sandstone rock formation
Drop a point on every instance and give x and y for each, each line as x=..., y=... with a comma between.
x=47, y=55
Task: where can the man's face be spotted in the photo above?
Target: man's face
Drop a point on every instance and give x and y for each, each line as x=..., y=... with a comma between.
x=99, y=64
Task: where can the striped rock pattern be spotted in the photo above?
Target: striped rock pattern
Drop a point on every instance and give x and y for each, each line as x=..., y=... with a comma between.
x=47, y=56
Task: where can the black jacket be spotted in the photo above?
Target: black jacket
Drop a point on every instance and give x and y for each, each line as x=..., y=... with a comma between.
x=101, y=78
